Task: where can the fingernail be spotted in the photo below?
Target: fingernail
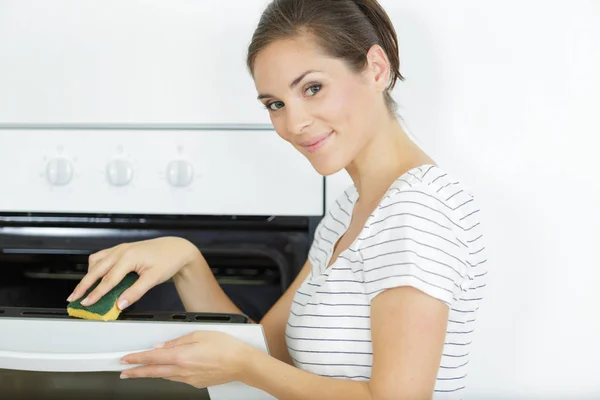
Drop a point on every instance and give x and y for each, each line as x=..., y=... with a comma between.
x=123, y=376
x=70, y=298
x=159, y=345
x=123, y=303
x=124, y=362
x=85, y=301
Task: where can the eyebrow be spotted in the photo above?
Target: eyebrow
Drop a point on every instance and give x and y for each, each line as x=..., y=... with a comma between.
x=295, y=82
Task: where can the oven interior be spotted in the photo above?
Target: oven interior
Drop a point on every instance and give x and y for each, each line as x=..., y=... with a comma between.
x=42, y=257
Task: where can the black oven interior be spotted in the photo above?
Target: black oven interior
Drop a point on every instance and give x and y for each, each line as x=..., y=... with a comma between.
x=42, y=257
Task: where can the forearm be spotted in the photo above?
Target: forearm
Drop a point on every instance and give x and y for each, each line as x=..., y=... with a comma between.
x=199, y=290
x=286, y=382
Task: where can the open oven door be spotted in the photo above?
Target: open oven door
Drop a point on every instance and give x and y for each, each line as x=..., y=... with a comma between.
x=46, y=354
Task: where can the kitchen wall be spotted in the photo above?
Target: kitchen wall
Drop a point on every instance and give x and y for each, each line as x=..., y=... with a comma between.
x=504, y=94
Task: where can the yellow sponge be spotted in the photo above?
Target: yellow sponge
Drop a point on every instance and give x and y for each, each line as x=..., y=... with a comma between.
x=106, y=308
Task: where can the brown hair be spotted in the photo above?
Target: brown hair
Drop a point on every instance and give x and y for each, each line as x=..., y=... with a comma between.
x=345, y=29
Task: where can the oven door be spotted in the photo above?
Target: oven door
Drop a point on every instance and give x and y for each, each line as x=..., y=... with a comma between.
x=78, y=359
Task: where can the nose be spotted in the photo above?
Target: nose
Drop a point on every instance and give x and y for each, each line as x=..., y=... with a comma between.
x=298, y=118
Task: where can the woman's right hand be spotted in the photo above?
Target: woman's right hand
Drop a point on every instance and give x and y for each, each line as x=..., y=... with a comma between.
x=154, y=260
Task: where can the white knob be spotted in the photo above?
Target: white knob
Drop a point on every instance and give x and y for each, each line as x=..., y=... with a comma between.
x=59, y=171
x=180, y=173
x=119, y=172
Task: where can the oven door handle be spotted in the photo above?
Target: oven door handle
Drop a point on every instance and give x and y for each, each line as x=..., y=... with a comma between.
x=64, y=362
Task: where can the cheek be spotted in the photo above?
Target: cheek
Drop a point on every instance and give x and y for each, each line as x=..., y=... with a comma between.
x=343, y=108
x=338, y=107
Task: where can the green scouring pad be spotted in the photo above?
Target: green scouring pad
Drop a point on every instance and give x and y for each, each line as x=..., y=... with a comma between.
x=106, y=308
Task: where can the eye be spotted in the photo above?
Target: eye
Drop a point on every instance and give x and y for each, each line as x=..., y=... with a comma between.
x=274, y=105
x=312, y=89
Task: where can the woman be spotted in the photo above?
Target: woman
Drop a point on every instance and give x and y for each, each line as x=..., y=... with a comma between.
x=386, y=303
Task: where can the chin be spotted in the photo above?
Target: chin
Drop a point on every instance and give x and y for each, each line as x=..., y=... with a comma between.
x=326, y=168
x=326, y=161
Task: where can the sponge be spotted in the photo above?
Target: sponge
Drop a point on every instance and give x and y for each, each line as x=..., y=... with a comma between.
x=106, y=308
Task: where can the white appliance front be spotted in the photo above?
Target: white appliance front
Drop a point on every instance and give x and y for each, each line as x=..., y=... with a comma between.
x=148, y=171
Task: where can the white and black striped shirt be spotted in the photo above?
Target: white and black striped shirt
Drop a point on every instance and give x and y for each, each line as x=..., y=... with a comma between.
x=425, y=233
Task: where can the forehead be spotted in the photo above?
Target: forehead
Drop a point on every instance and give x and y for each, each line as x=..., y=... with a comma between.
x=284, y=60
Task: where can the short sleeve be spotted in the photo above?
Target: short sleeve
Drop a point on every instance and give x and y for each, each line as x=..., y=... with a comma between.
x=413, y=240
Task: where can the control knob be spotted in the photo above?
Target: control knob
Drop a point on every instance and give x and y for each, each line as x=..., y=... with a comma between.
x=119, y=172
x=180, y=173
x=59, y=171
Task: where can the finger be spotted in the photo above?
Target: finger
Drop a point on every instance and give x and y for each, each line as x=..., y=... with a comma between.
x=153, y=371
x=101, y=262
x=154, y=357
x=180, y=341
x=144, y=283
x=91, y=278
x=94, y=258
x=116, y=273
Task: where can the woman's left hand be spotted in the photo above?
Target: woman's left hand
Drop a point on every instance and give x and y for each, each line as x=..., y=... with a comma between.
x=200, y=359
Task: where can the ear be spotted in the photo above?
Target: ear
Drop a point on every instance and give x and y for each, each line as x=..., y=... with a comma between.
x=378, y=66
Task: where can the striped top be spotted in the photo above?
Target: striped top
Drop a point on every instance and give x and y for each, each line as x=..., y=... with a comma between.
x=424, y=233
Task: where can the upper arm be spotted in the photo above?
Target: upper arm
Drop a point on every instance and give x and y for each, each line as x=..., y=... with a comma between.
x=414, y=269
x=274, y=321
x=408, y=328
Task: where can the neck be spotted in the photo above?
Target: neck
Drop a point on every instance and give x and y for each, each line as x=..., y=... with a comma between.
x=389, y=154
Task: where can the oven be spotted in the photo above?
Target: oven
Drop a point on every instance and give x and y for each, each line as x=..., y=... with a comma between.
x=67, y=193
x=120, y=124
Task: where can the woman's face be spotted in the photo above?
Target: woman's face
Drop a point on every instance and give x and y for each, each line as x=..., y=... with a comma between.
x=316, y=103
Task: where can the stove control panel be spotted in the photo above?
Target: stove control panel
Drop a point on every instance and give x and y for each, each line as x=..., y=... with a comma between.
x=208, y=172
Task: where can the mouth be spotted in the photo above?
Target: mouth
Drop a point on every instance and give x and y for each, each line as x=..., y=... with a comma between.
x=317, y=144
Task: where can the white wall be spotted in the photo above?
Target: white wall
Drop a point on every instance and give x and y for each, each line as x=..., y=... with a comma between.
x=504, y=94
x=133, y=61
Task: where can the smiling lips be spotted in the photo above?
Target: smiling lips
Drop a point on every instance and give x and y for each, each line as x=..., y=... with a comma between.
x=315, y=144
